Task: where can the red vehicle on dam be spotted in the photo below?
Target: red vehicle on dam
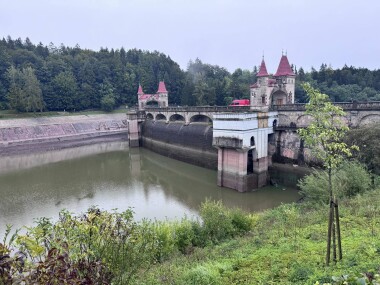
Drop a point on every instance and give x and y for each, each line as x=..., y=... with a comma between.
x=240, y=102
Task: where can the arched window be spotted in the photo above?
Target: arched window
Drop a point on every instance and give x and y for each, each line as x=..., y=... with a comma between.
x=252, y=141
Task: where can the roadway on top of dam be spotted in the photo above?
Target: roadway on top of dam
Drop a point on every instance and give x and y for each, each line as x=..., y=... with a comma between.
x=358, y=113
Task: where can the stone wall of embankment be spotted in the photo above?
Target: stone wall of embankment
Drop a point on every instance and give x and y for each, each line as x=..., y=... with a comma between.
x=35, y=132
x=189, y=143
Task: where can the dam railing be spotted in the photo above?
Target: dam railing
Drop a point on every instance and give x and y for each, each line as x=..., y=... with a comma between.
x=203, y=109
x=347, y=106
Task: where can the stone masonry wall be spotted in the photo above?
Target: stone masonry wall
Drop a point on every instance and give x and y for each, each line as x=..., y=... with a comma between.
x=286, y=147
x=34, y=131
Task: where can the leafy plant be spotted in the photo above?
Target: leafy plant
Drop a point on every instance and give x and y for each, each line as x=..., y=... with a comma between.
x=217, y=223
x=350, y=179
x=184, y=236
x=324, y=136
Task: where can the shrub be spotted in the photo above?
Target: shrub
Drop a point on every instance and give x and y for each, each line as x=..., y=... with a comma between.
x=97, y=246
x=217, y=223
x=366, y=138
x=199, y=237
x=300, y=273
x=350, y=179
x=353, y=179
x=202, y=275
x=165, y=243
x=184, y=235
x=240, y=220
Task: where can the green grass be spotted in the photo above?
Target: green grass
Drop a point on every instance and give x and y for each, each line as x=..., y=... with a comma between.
x=286, y=245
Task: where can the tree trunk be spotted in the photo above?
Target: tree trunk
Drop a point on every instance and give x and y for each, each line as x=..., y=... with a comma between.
x=331, y=218
x=333, y=234
x=329, y=234
x=338, y=229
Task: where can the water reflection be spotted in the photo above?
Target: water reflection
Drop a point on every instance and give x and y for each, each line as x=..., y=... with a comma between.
x=112, y=176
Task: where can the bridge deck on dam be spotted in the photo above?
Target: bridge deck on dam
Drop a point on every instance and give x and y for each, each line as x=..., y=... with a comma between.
x=290, y=116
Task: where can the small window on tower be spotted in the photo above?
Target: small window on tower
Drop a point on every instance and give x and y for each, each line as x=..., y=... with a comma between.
x=262, y=100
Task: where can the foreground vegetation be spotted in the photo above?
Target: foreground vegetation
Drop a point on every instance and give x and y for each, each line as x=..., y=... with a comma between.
x=285, y=245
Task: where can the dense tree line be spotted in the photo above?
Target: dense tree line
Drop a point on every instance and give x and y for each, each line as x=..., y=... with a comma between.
x=64, y=78
x=342, y=85
x=39, y=77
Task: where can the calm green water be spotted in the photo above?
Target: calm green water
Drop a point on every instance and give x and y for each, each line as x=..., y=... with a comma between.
x=112, y=176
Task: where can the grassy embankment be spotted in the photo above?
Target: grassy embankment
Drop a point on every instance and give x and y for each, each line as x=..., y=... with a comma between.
x=286, y=245
x=12, y=114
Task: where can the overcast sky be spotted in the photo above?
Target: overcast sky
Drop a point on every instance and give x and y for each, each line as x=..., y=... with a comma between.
x=228, y=33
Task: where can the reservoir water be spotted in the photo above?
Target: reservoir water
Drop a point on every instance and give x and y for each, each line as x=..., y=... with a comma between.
x=112, y=176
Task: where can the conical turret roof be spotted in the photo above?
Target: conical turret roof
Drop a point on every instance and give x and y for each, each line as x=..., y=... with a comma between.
x=284, y=68
x=140, y=91
x=162, y=87
x=263, y=70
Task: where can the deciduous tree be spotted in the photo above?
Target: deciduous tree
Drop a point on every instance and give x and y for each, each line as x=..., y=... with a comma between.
x=324, y=137
x=24, y=92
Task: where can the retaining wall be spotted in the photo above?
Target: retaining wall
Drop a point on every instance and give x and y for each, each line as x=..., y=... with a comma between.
x=35, y=132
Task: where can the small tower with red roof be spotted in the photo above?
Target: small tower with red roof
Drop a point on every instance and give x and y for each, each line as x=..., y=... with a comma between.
x=140, y=91
x=259, y=90
x=285, y=79
x=162, y=94
x=160, y=99
x=273, y=90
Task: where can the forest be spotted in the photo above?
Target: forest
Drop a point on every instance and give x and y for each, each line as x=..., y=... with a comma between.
x=49, y=78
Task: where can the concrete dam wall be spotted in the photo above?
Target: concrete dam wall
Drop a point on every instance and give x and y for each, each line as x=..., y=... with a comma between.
x=39, y=133
x=193, y=144
x=189, y=143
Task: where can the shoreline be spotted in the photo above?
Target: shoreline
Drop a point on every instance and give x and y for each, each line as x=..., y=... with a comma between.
x=60, y=143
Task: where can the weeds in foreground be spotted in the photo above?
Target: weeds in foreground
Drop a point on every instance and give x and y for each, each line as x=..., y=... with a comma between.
x=99, y=247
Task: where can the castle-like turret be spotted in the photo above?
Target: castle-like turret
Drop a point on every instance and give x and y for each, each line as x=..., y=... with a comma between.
x=162, y=94
x=140, y=91
x=285, y=78
x=259, y=90
x=273, y=90
x=162, y=87
x=159, y=99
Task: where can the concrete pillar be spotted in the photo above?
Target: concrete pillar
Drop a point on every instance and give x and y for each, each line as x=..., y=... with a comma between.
x=187, y=118
x=133, y=129
x=260, y=171
x=232, y=169
x=233, y=172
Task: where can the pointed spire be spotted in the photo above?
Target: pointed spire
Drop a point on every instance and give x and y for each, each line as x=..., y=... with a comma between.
x=162, y=87
x=284, y=68
x=263, y=69
x=140, y=91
